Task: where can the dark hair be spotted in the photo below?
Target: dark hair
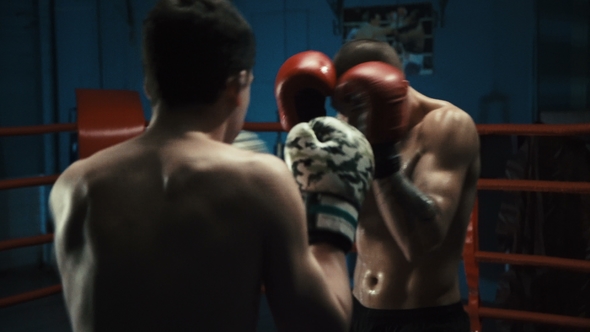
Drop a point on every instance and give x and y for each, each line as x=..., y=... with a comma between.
x=191, y=48
x=358, y=51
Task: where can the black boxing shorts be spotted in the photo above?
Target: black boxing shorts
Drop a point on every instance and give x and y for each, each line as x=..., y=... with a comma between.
x=448, y=318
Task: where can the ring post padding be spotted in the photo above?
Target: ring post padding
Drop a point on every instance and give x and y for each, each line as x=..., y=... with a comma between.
x=106, y=118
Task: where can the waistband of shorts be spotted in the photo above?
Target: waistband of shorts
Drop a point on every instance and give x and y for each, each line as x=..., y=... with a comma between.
x=411, y=314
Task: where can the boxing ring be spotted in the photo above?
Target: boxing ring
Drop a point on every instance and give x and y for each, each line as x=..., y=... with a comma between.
x=106, y=117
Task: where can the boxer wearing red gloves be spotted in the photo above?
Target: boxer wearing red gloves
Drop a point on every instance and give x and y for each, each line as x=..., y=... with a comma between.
x=413, y=224
x=330, y=160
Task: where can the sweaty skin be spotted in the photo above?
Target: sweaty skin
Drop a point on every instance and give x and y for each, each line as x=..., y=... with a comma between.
x=175, y=230
x=403, y=262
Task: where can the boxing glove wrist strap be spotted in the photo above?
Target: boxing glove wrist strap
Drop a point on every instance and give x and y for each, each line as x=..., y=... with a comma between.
x=330, y=219
x=387, y=159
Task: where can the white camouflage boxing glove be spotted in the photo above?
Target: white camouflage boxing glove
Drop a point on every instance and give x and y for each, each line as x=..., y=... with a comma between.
x=332, y=163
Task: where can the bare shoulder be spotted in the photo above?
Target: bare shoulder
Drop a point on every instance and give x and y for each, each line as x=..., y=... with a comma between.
x=269, y=174
x=254, y=177
x=77, y=176
x=68, y=194
x=271, y=168
x=449, y=131
x=271, y=184
x=71, y=179
x=73, y=187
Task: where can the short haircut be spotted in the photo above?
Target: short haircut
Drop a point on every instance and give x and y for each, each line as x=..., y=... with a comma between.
x=359, y=51
x=191, y=48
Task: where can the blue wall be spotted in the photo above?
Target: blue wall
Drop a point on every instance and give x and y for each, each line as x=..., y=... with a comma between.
x=97, y=45
x=20, y=105
x=482, y=49
x=484, y=62
x=481, y=65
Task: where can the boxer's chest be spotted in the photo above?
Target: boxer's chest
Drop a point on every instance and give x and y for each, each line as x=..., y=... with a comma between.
x=410, y=150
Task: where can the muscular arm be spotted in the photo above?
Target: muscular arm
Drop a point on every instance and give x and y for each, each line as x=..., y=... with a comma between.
x=419, y=203
x=68, y=207
x=306, y=286
x=67, y=204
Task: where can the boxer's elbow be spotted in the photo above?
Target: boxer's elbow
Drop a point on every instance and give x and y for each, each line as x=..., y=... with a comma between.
x=345, y=311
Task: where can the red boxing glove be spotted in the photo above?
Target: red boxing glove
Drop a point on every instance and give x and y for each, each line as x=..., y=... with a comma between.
x=301, y=87
x=378, y=92
x=382, y=91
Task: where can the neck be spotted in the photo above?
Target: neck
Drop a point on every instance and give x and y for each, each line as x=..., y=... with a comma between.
x=420, y=105
x=415, y=103
x=206, y=119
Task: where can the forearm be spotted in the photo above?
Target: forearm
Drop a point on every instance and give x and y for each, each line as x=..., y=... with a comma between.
x=410, y=214
x=332, y=263
x=416, y=207
x=314, y=297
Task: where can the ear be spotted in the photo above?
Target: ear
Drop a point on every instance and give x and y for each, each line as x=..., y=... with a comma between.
x=146, y=90
x=150, y=88
x=234, y=86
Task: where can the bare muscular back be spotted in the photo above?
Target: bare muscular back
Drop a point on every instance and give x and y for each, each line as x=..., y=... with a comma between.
x=168, y=238
x=384, y=276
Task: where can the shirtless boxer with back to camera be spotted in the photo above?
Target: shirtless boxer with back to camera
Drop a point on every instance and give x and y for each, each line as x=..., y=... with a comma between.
x=412, y=224
x=176, y=230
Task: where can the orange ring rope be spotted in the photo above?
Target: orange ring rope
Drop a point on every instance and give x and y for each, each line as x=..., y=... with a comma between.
x=483, y=129
x=28, y=182
x=25, y=242
x=30, y=296
x=472, y=257
x=263, y=126
x=534, y=129
x=36, y=130
x=574, y=265
x=534, y=185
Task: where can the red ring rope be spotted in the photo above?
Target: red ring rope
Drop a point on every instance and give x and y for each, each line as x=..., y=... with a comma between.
x=42, y=129
x=483, y=129
x=29, y=296
x=534, y=129
x=26, y=242
x=534, y=185
x=28, y=182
